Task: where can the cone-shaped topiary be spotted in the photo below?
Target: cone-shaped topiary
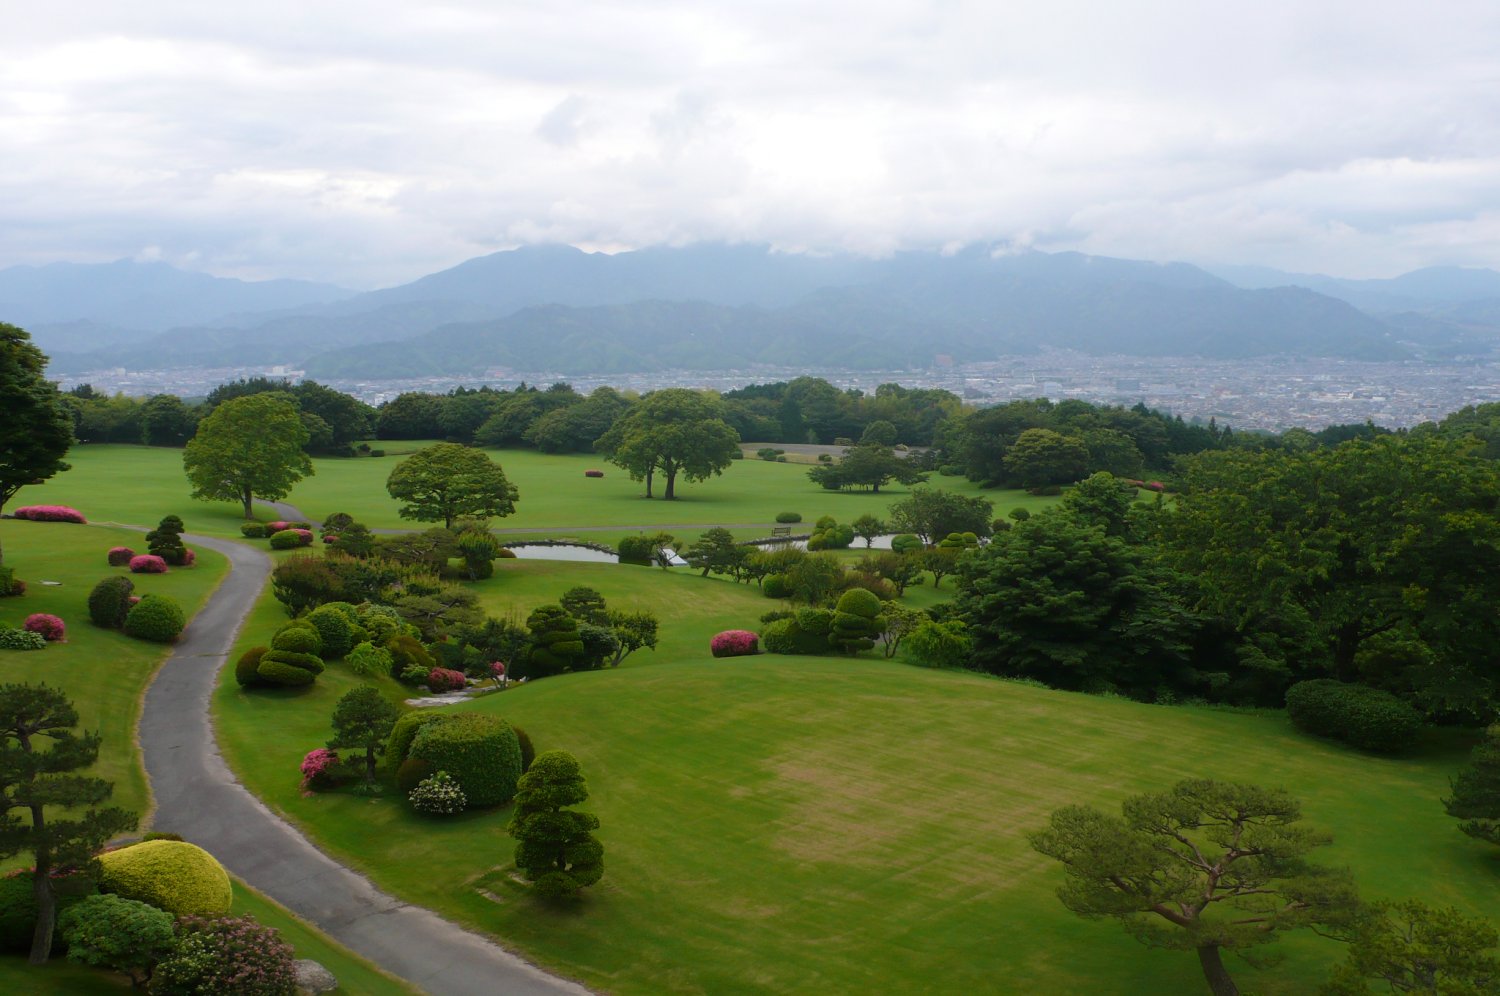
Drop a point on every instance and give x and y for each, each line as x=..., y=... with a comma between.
x=556, y=847
x=171, y=875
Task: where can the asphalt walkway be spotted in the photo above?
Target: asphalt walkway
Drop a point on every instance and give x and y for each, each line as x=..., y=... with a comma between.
x=198, y=797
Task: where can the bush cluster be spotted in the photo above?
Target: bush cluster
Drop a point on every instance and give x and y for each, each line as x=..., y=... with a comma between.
x=734, y=643
x=334, y=622
x=226, y=955
x=481, y=753
x=637, y=550
x=827, y=534
x=906, y=543
x=18, y=907
x=1358, y=715
x=49, y=627
x=806, y=632
x=147, y=563
x=49, y=513
x=119, y=556
x=21, y=639
x=156, y=618
x=122, y=935
x=110, y=601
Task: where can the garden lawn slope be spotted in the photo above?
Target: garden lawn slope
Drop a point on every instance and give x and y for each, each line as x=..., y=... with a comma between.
x=778, y=824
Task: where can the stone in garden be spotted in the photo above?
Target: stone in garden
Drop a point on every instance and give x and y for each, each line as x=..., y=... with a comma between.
x=313, y=978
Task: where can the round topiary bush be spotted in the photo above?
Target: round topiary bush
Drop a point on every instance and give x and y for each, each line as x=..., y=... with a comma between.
x=481, y=752
x=1358, y=715
x=776, y=586
x=288, y=667
x=856, y=621
x=528, y=752
x=254, y=530
x=147, y=563
x=286, y=539
x=246, y=668
x=156, y=618
x=119, y=556
x=734, y=643
x=49, y=627
x=788, y=517
x=335, y=628
x=405, y=730
x=171, y=875
x=110, y=601
x=906, y=543
x=298, y=638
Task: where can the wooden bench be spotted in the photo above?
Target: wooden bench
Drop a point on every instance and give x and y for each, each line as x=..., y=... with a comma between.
x=781, y=532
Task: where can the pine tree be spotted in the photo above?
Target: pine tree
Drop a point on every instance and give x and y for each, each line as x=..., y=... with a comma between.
x=557, y=849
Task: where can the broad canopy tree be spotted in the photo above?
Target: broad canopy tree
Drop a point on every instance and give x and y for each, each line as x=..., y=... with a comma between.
x=932, y=513
x=446, y=481
x=868, y=465
x=674, y=431
x=249, y=447
x=37, y=429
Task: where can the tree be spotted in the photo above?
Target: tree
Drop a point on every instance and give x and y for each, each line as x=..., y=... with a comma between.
x=674, y=431
x=362, y=720
x=1205, y=866
x=37, y=430
x=1476, y=791
x=33, y=780
x=248, y=447
x=1040, y=457
x=868, y=465
x=557, y=848
x=1101, y=500
x=716, y=552
x=932, y=513
x=1414, y=948
x=166, y=421
x=586, y=605
x=634, y=630
x=879, y=432
x=867, y=527
x=445, y=481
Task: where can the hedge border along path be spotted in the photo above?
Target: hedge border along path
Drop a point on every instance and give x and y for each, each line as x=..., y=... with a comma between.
x=197, y=797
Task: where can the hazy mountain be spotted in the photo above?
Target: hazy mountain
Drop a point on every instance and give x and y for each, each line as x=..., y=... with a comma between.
x=143, y=296
x=1433, y=287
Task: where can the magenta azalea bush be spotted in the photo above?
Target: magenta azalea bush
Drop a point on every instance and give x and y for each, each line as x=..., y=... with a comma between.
x=50, y=513
x=306, y=534
x=188, y=558
x=148, y=563
x=317, y=765
x=442, y=679
x=278, y=526
x=50, y=627
x=734, y=643
x=119, y=556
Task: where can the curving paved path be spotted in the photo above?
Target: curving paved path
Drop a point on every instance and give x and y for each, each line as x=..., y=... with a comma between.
x=198, y=797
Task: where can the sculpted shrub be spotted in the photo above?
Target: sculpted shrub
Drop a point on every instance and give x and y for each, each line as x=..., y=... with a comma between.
x=788, y=517
x=226, y=955
x=119, y=556
x=110, y=601
x=247, y=668
x=405, y=730
x=156, y=618
x=49, y=627
x=172, y=875
x=299, y=636
x=480, y=752
x=50, y=513
x=254, y=530
x=286, y=539
x=411, y=773
x=337, y=632
x=1361, y=716
x=856, y=621
x=147, y=563
x=734, y=643
x=442, y=679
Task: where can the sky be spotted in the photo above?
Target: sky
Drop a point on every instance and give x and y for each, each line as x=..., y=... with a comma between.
x=370, y=143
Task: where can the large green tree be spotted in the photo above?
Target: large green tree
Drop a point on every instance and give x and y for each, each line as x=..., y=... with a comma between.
x=1410, y=947
x=1205, y=866
x=446, y=481
x=673, y=432
x=932, y=513
x=35, y=781
x=246, y=448
x=868, y=465
x=1314, y=554
x=1040, y=457
x=36, y=428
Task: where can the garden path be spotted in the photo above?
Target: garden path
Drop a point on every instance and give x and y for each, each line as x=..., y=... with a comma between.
x=198, y=797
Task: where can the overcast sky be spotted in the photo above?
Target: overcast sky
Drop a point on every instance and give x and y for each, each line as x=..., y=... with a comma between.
x=369, y=143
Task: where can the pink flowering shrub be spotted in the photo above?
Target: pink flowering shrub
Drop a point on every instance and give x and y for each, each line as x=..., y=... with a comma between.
x=317, y=766
x=330, y=538
x=50, y=513
x=148, y=563
x=734, y=643
x=442, y=679
x=593, y=473
x=50, y=627
x=188, y=558
x=278, y=526
x=119, y=556
x=133, y=600
x=227, y=955
x=306, y=536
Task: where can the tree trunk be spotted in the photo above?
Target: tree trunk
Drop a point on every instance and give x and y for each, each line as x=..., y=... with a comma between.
x=41, y=888
x=669, y=494
x=650, y=472
x=1219, y=982
x=248, y=499
x=370, y=765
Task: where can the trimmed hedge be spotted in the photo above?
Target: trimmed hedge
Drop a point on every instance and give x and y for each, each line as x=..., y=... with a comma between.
x=734, y=643
x=276, y=673
x=246, y=668
x=788, y=517
x=109, y=602
x=119, y=556
x=405, y=730
x=1358, y=715
x=481, y=753
x=288, y=539
x=156, y=618
x=804, y=633
x=254, y=530
x=311, y=663
x=171, y=875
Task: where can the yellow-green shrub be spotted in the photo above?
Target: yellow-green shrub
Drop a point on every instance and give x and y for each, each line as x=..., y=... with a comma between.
x=173, y=875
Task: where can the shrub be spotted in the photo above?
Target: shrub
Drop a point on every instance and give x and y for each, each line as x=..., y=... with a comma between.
x=438, y=794
x=442, y=679
x=119, y=556
x=254, y=530
x=939, y=644
x=156, y=618
x=18, y=907
x=408, y=654
x=226, y=955
x=637, y=550
x=505, y=553
x=856, y=621
x=147, y=563
x=121, y=935
x=298, y=637
x=593, y=473
x=1361, y=716
x=769, y=453
x=50, y=513
x=9, y=586
x=734, y=643
x=368, y=660
x=110, y=601
x=311, y=663
x=21, y=639
x=49, y=627
x=335, y=628
x=273, y=672
x=172, y=875
x=245, y=669
x=528, y=752
x=905, y=543
x=286, y=539
x=776, y=586
x=787, y=636
x=405, y=730
x=480, y=752
x=318, y=767
x=165, y=541
x=787, y=517
x=279, y=526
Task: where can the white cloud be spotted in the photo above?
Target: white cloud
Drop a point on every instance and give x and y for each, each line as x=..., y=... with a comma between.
x=369, y=143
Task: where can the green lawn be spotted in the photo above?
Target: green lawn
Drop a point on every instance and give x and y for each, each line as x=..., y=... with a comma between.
x=355, y=974
x=823, y=824
x=104, y=672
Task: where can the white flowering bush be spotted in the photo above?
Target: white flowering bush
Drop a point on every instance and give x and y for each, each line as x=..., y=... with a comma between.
x=439, y=795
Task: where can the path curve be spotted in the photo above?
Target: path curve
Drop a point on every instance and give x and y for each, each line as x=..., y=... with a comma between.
x=197, y=796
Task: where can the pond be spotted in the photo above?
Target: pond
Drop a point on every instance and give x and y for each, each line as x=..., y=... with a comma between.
x=576, y=552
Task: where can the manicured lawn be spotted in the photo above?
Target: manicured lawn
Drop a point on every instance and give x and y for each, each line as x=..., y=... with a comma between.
x=355, y=974
x=779, y=824
x=104, y=672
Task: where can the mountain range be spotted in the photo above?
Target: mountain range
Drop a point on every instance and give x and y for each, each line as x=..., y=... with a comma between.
x=559, y=309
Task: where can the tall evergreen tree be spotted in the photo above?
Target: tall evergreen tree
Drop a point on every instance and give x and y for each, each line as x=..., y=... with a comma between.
x=36, y=429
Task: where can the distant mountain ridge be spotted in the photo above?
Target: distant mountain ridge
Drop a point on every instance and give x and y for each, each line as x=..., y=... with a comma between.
x=717, y=307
